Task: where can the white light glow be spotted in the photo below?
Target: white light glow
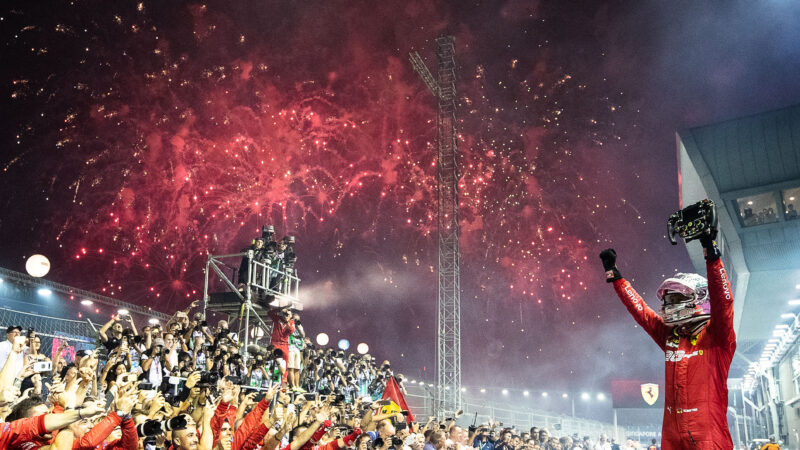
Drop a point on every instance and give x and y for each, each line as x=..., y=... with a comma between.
x=37, y=266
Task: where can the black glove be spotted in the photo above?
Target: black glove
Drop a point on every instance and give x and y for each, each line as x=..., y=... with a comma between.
x=609, y=259
x=472, y=428
x=709, y=242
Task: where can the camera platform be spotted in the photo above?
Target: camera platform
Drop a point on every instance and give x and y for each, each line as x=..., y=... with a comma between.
x=265, y=287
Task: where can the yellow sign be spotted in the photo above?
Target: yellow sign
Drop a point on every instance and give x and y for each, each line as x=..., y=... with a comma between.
x=392, y=408
x=650, y=393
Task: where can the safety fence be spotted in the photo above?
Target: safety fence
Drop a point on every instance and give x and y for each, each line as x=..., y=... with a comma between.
x=420, y=401
x=52, y=330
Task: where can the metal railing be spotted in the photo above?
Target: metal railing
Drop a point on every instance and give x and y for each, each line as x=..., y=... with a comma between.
x=420, y=401
x=260, y=276
x=262, y=280
x=25, y=279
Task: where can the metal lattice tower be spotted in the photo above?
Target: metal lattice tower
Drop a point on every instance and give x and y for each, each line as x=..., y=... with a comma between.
x=448, y=333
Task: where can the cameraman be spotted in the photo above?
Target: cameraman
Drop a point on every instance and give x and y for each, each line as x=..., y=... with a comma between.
x=258, y=255
x=694, y=329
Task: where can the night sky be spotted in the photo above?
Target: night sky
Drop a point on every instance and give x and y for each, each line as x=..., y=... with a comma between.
x=137, y=137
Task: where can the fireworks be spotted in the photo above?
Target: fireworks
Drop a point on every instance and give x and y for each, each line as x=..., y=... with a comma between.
x=159, y=149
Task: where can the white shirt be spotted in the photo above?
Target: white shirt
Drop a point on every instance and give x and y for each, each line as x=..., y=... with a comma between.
x=5, y=351
x=173, y=358
x=154, y=375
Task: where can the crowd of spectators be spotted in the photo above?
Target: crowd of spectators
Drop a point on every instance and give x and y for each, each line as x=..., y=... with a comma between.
x=191, y=385
x=186, y=385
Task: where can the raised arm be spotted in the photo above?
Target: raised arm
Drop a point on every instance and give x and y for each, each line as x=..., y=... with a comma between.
x=10, y=368
x=314, y=433
x=648, y=319
x=207, y=436
x=133, y=325
x=250, y=422
x=61, y=347
x=104, y=329
x=720, y=295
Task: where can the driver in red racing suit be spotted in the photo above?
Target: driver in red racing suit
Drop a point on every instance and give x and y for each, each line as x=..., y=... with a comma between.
x=695, y=331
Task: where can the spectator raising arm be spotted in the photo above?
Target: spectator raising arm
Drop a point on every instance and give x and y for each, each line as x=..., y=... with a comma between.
x=10, y=369
x=104, y=329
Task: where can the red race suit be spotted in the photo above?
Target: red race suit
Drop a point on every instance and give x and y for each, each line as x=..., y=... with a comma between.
x=696, y=366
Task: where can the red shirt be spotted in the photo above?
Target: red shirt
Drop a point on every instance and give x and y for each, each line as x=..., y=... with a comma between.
x=281, y=331
x=25, y=434
x=20, y=434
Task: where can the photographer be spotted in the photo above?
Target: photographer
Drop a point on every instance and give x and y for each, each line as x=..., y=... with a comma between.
x=259, y=254
x=694, y=329
x=151, y=363
x=112, y=341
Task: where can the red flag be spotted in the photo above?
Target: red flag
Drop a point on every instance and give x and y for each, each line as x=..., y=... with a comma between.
x=393, y=393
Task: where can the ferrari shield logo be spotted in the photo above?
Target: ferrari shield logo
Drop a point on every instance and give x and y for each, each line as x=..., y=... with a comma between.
x=391, y=408
x=650, y=393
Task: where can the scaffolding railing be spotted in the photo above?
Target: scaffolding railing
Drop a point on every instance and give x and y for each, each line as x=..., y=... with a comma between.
x=264, y=286
x=421, y=402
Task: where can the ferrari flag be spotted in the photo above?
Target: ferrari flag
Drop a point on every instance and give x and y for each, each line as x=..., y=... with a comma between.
x=393, y=393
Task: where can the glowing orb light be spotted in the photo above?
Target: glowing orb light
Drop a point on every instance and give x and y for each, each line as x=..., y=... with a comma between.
x=344, y=344
x=256, y=333
x=37, y=266
x=362, y=348
x=322, y=339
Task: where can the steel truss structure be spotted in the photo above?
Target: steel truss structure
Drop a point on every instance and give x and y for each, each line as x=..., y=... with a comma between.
x=448, y=398
x=26, y=279
x=265, y=286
